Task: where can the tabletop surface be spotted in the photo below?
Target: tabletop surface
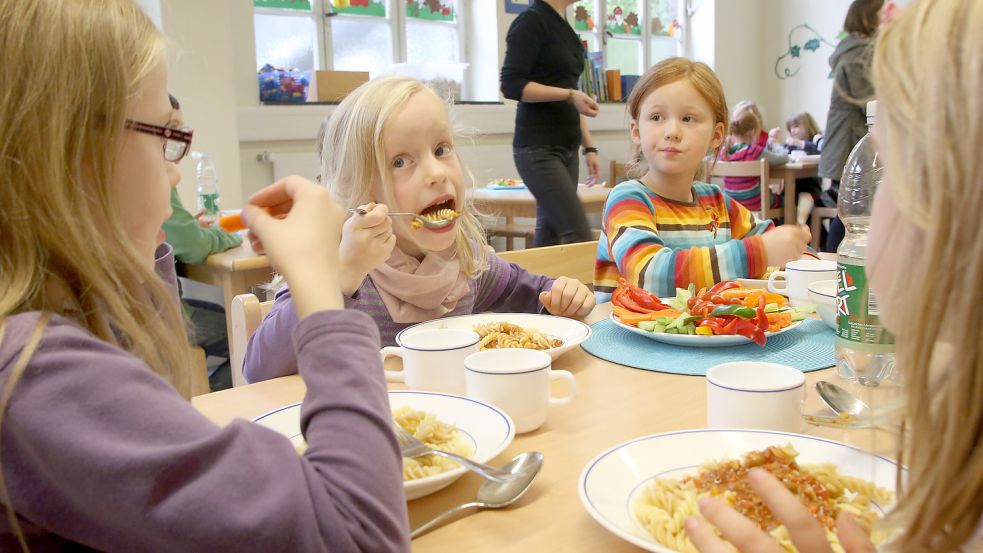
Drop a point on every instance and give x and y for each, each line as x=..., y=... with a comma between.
x=614, y=404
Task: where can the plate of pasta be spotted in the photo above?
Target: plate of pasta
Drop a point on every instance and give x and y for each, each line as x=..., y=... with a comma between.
x=643, y=490
x=554, y=335
x=443, y=421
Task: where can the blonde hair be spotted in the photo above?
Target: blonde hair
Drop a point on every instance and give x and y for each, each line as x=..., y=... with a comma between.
x=668, y=71
x=804, y=120
x=748, y=106
x=928, y=61
x=63, y=247
x=353, y=157
x=745, y=125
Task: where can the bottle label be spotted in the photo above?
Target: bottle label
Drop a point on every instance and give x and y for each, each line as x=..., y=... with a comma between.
x=857, y=321
x=208, y=202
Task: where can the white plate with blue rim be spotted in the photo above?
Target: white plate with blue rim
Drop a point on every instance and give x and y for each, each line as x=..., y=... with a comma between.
x=570, y=332
x=696, y=340
x=488, y=430
x=613, y=481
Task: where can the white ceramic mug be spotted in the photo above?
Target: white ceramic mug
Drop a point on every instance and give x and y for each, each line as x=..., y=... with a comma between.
x=751, y=394
x=798, y=275
x=433, y=359
x=516, y=381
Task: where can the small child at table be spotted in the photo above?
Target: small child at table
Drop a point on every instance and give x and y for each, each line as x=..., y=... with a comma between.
x=399, y=275
x=740, y=146
x=100, y=449
x=804, y=136
x=666, y=228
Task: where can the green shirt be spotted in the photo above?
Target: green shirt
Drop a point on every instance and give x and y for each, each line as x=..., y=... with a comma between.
x=191, y=243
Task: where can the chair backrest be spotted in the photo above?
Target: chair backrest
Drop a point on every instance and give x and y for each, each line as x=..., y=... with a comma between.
x=757, y=168
x=569, y=260
x=815, y=222
x=619, y=173
x=247, y=313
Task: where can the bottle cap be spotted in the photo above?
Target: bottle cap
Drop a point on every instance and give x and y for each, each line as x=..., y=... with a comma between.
x=871, y=111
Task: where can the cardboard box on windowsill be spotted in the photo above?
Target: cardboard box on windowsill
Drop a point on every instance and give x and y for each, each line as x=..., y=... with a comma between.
x=333, y=86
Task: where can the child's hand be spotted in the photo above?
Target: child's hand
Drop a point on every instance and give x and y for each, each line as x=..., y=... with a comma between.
x=773, y=135
x=367, y=241
x=204, y=220
x=298, y=226
x=785, y=243
x=568, y=298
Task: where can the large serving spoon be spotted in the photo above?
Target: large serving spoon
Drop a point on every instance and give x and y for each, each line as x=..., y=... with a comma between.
x=491, y=494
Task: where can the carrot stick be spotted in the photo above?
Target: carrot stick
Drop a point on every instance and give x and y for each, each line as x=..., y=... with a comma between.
x=234, y=222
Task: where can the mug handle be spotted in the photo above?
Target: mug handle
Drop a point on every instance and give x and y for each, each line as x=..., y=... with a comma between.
x=393, y=351
x=571, y=382
x=773, y=278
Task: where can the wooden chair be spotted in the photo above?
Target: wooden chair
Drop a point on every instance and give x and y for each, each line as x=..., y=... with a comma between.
x=758, y=168
x=199, y=372
x=619, y=173
x=816, y=223
x=510, y=231
x=569, y=260
x=247, y=313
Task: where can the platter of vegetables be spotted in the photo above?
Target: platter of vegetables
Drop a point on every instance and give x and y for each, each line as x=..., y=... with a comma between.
x=726, y=314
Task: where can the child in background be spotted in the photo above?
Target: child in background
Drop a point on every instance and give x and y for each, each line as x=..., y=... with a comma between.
x=803, y=134
x=924, y=254
x=100, y=449
x=742, y=147
x=665, y=228
x=193, y=238
x=398, y=275
x=745, y=106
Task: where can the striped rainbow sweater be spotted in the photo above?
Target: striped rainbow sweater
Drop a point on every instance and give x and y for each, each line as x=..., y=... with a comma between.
x=747, y=190
x=661, y=244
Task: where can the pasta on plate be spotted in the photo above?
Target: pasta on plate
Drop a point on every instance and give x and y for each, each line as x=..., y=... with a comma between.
x=663, y=505
x=507, y=335
x=433, y=432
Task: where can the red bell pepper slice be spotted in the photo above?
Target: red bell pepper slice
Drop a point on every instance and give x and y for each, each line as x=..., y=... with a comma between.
x=716, y=324
x=749, y=330
x=762, y=316
x=723, y=285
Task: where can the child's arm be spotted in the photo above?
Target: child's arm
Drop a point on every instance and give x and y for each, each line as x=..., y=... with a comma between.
x=774, y=158
x=146, y=463
x=637, y=248
x=192, y=243
x=508, y=288
x=270, y=352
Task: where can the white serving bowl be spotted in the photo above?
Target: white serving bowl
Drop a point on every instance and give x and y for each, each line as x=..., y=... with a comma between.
x=570, y=331
x=487, y=428
x=823, y=294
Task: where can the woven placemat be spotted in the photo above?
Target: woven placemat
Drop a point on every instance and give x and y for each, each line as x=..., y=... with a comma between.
x=809, y=347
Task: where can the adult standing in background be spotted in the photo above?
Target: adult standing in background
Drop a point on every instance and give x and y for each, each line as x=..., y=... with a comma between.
x=543, y=60
x=846, y=121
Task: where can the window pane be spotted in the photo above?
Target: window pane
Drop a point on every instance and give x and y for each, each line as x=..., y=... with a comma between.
x=591, y=39
x=662, y=47
x=665, y=17
x=625, y=54
x=434, y=43
x=301, y=5
x=284, y=41
x=623, y=17
x=375, y=8
x=432, y=10
x=584, y=16
x=360, y=45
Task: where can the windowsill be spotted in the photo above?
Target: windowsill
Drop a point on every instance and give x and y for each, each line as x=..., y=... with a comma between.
x=279, y=122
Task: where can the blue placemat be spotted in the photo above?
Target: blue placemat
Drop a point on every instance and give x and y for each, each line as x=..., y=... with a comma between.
x=809, y=347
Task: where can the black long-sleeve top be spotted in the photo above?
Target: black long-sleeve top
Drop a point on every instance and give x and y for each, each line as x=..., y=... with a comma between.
x=541, y=47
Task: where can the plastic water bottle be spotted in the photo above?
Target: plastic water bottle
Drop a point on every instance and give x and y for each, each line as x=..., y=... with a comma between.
x=207, y=177
x=864, y=348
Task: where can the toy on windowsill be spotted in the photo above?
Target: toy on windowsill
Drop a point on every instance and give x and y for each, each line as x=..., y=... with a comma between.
x=280, y=85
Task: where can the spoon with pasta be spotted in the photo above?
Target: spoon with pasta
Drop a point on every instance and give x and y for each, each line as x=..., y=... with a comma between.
x=434, y=220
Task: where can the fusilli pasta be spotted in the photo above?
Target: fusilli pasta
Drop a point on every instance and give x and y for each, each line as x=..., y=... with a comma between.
x=507, y=335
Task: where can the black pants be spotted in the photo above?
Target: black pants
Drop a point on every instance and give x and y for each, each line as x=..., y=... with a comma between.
x=551, y=174
x=836, y=228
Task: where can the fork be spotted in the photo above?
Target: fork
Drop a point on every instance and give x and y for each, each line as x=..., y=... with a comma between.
x=429, y=223
x=411, y=447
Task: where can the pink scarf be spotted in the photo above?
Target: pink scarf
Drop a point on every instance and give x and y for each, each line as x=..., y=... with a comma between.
x=415, y=291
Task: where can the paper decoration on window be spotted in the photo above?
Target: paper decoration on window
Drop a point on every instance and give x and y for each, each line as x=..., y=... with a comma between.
x=431, y=10
x=623, y=20
x=802, y=40
x=374, y=8
x=583, y=18
x=300, y=5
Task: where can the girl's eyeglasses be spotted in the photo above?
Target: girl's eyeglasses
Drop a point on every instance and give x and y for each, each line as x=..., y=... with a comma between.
x=177, y=142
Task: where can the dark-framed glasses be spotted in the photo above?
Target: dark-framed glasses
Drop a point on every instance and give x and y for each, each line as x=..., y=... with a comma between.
x=177, y=142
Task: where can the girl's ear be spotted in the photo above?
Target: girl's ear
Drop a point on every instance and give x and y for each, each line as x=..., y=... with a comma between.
x=718, y=135
x=633, y=132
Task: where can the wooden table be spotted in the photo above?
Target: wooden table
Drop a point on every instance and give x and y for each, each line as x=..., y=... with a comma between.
x=788, y=173
x=235, y=271
x=614, y=404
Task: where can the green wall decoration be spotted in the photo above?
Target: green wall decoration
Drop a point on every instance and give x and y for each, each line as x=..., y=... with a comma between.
x=802, y=40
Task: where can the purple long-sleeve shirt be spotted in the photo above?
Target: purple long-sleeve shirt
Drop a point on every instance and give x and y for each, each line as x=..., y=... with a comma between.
x=100, y=451
x=503, y=288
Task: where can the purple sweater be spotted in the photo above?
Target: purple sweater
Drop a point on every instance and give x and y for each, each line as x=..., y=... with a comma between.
x=98, y=450
x=503, y=288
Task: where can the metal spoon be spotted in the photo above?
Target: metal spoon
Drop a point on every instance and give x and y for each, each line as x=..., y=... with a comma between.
x=493, y=495
x=850, y=410
x=429, y=223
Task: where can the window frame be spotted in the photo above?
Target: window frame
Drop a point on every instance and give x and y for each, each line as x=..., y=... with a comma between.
x=601, y=37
